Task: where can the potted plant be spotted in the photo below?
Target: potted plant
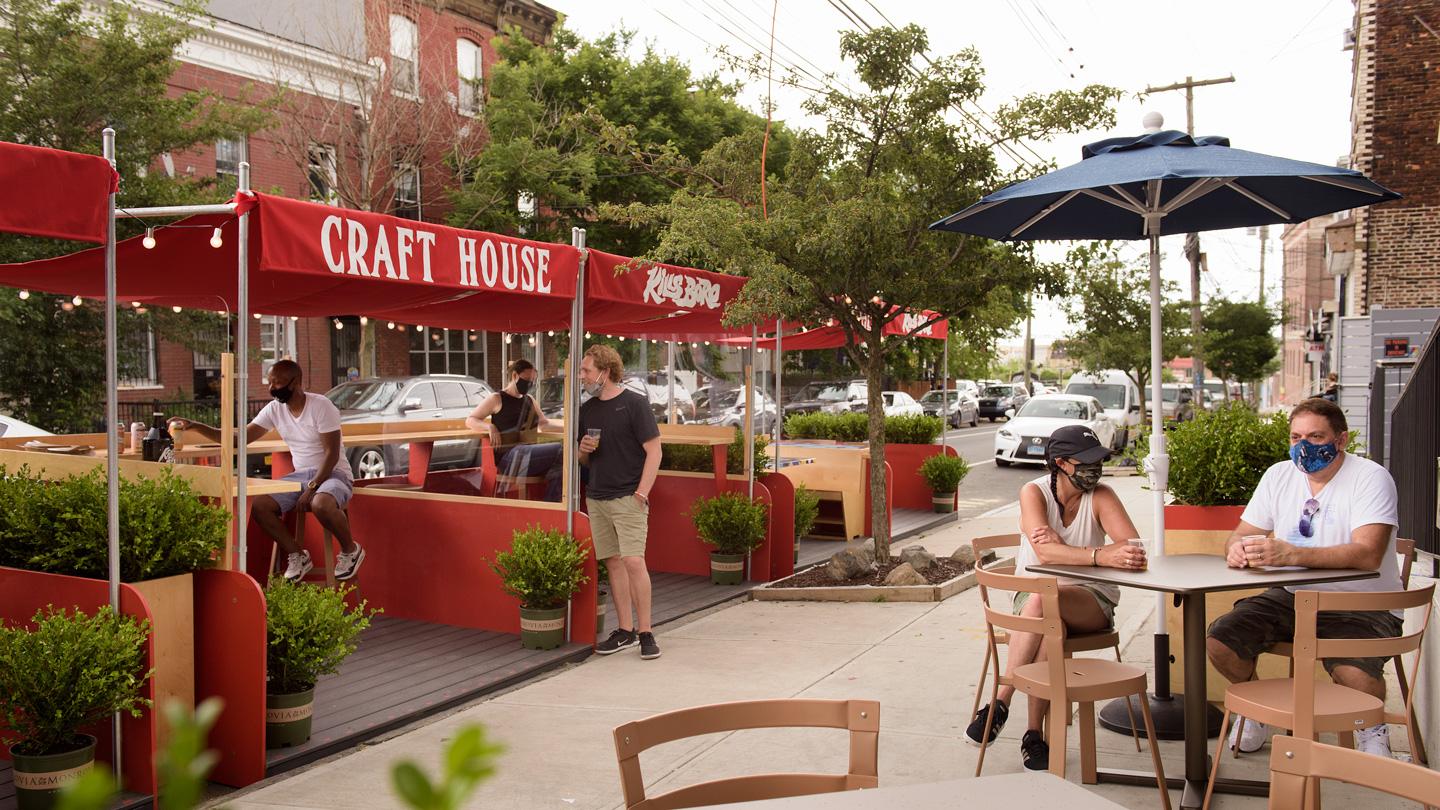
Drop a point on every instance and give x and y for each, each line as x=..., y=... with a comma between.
x=944, y=472
x=68, y=672
x=543, y=569
x=735, y=526
x=807, y=510
x=309, y=631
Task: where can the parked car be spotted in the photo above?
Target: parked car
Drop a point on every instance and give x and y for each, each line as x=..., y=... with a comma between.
x=1118, y=395
x=996, y=399
x=963, y=408
x=727, y=408
x=832, y=397
x=1024, y=438
x=899, y=403
x=551, y=396
x=417, y=399
x=10, y=427
x=1177, y=403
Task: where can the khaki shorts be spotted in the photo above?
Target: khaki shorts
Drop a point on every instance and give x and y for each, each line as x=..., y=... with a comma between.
x=1101, y=598
x=1258, y=622
x=618, y=526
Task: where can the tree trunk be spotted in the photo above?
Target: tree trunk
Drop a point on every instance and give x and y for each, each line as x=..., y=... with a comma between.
x=367, y=350
x=874, y=371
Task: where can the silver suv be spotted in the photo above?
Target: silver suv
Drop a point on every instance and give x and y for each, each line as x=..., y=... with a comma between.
x=414, y=401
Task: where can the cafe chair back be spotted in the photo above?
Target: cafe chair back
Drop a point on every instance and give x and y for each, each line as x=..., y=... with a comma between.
x=1059, y=679
x=1309, y=706
x=860, y=717
x=1297, y=765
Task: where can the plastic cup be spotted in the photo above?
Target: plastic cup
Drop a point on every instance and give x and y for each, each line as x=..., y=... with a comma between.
x=1143, y=545
x=594, y=433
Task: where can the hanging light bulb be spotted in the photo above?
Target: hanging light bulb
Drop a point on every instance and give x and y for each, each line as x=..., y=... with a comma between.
x=587, y=335
x=77, y=300
x=135, y=304
x=25, y=296
x=551, y=333
x=694, y=345
x=473, y=337
x=339, y=325
x=175, y=310
x=149, y=240
x=67, y=306
x=390, y=325
x=622, y=338
x=294, y=318
x=707, y=343
x=258, y=316
x=530, y=340
x=142, y=310
x=215, y=239
x=364, y=320
x=419, y=328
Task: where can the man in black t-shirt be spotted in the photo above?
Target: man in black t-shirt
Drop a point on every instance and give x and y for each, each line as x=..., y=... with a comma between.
x=620, y=443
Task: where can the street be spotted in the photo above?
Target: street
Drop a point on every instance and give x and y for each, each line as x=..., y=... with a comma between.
x=987, y=486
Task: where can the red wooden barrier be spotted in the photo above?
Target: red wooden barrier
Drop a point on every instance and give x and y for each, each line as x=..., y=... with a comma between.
x=230, y=664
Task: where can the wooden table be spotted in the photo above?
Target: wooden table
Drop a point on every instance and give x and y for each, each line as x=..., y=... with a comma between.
x=1011, y=791
x=1189, y=577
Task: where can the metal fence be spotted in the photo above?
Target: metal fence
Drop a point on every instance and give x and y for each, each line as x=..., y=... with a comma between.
x=200, y=410
x=1414, y=452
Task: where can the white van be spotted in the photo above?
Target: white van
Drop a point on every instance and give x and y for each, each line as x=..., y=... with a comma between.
x=1117, y=394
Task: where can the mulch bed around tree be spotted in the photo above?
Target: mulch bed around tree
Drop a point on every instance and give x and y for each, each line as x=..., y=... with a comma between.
x=943, y=570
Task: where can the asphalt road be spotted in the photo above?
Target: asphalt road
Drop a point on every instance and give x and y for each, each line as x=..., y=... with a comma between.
x=987, y=486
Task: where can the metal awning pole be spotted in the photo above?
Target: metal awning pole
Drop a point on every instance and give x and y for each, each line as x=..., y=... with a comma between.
x=750, y=415
x=945, y=392
x=779, y=406
x=112, y=441
x=670, y=375
x=242, y=376
x=571, y=413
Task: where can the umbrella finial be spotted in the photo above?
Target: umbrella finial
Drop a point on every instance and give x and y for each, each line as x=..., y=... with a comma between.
x=1153, y=121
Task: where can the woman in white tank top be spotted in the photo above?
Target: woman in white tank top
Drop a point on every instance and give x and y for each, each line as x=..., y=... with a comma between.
x=1065, y=517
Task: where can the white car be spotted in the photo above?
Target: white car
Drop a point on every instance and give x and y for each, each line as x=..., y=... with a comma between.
x=899, y=403
x=727, y=408
x=10, y=427
x=1024, y=438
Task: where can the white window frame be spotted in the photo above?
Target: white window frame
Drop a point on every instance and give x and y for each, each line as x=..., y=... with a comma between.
x=404, y=56
x=149, y=363
x=402, y=171
x=322, y=164
x=238, y=147
x=277, y=342
x=469, y=71
x=472, y=337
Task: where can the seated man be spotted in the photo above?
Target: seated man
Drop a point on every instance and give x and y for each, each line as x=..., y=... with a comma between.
x=1321, y=508
x=1064, y=519
x=310, y=425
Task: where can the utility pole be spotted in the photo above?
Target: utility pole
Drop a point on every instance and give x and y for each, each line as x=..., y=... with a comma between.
x=1264, y=236
x=1192, y=240
x=1029, y=344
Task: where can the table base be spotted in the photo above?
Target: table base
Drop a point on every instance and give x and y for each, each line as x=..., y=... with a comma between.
x=1168, y=715
x=1193, y=792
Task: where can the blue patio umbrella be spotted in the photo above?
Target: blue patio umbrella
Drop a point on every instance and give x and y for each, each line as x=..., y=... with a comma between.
x=1163, y=182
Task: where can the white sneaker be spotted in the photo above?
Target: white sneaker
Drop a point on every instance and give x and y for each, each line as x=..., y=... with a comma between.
x=1374, y=740
x=299, y=566
x=1254, y=736
x=347, y=565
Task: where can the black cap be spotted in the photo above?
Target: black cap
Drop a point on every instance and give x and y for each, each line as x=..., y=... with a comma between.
x=1077, y=442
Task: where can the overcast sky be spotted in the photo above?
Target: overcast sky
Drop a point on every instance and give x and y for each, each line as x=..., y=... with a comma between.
x=1291, y=94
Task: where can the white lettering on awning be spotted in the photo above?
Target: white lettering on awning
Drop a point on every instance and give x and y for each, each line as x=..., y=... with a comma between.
x=686, y=292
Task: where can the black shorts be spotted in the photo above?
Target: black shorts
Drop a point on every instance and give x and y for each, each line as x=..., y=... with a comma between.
x=1259, y=622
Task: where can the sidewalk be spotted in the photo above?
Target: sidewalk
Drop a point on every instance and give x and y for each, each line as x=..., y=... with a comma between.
x=920, y=660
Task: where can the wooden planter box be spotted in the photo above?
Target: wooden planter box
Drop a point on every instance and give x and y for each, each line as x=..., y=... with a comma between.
x=171, y=601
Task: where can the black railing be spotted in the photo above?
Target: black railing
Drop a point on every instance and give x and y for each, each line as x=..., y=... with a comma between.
x=1414, y=451
x=200, y=410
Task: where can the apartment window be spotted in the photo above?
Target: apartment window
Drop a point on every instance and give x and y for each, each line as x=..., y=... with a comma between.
x=447, y=351
x=404, y=55
x=467, y=65
x=138, y=365
x=229, y=154
x=407, y=192
x=321, y=174
x=277, y=341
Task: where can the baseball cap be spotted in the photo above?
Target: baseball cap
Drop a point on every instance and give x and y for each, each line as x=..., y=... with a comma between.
x=1077, y=442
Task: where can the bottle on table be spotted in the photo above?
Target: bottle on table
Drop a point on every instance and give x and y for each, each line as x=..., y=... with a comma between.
x=137, y=436
x=158, y=445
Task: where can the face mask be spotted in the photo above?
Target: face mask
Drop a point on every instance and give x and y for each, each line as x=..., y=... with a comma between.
x=282, y=395
x=1312, y=458
x=522, y=386
x=593, y=389
x=1086, y=476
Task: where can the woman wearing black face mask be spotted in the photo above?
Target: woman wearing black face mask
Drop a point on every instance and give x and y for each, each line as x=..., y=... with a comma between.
x=511, y=412
x=1065, y=517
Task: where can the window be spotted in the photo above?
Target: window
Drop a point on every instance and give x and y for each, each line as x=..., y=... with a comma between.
x=277, y=341
x=526, y=207
x=424, y=393
x=138, y=366
x=447, y=351
x=229, y=153
x=321, y=174
x=404, y=56
x=451, y=395
x=407, y=192
x=467, y=68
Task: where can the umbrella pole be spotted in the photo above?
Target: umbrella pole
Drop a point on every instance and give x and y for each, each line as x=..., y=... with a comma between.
x=112, y=441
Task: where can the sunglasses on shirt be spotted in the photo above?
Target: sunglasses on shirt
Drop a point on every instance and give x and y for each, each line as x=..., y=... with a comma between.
x=1312, y=507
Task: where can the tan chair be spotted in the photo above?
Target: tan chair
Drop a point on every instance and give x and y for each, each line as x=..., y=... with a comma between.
x=860, y=717
x=1309, y=706
x=1296, y=763
x=1062, y=680
x=1406, y=549
x=1082, y=642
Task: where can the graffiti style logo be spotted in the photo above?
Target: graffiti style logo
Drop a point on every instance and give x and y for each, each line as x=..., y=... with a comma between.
x=911, y=321
x=686, y=292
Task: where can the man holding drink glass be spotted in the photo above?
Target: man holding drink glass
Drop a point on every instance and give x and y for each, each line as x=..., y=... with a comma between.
x=1321, y=508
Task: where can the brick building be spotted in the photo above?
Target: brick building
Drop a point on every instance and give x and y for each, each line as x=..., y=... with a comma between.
x=368, y=97
x=1310, y=297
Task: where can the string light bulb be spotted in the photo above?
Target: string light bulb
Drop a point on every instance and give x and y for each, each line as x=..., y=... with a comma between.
x=149, y=240
x=175, y=310
x=587, y=335
x=339, y=325
x=551, y=333
x=135, y=304
x=530, y=339
x=142, y=310
x=390, y=325
x=67, y=306
x=364, y=321
x=419, y=328
x=77, y=300
x=25, y=296
x=215, y=239
x=294, y=318
x=258, y=316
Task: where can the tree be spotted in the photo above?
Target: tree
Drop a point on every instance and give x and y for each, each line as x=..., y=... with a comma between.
x=1111, y=304
x=846, y=238
x=1239, y=340
x=67, y=71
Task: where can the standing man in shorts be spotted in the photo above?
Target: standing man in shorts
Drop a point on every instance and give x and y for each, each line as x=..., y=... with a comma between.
x=310, y=426
x=1321, y=508
x=620, y=443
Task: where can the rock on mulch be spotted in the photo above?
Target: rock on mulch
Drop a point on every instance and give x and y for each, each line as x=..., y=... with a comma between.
x=943, y=570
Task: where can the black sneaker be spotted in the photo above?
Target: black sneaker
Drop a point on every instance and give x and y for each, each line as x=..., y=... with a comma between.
x=618, y=640
x=975, y=731
x=1034, y=751
x=648, y=647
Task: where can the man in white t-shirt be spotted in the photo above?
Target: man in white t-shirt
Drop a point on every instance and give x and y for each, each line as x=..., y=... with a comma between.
x=310, y=426
x=1322, y=508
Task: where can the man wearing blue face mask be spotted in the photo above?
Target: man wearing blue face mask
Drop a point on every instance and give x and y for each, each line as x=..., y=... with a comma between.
x=1321, y=508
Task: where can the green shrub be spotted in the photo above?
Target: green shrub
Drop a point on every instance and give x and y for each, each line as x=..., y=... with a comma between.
x=698, y=458
x=1217, y=458
x=918, y=429
x=309, y=631
x=944, y=472
x=468, y=760
x=59, y=526
x=839, y=427
x=730, y=522
x=543, y=568
x=807, y=509
x=70, y=671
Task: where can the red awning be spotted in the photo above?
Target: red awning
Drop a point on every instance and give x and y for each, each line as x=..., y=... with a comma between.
x=833, y=337
x=49, y=192
x=654, y=300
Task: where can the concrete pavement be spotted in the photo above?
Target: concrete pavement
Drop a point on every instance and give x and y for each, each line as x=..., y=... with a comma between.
x=920, y=660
